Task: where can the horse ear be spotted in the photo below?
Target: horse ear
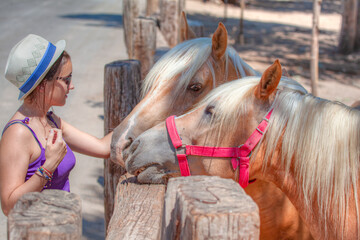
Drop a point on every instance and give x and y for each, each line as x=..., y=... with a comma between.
x=269, y=81
x=219, y=42
x=186, y=33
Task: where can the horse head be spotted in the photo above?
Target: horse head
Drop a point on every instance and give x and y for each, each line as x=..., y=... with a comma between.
x=180, y=79
x=227, y=116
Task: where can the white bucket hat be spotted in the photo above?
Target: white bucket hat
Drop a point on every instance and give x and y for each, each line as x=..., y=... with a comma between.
x=30, y=60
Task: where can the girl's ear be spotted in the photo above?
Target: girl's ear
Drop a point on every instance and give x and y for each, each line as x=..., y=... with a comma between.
x=269, y=81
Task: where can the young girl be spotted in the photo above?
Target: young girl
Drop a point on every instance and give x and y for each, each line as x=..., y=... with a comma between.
x=36, y=148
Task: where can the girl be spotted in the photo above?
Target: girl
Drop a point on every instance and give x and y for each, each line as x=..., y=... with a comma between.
x=36, y=145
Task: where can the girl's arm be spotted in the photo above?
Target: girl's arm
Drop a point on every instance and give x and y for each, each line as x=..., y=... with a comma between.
x=85, y=143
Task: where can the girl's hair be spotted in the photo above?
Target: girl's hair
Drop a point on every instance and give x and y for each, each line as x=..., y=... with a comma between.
x=61, y=61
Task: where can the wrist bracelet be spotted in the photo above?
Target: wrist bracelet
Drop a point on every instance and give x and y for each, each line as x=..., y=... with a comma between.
x=45, y=173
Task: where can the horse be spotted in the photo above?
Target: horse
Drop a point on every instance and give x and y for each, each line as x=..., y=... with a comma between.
x=180, y=79
x=308, y=147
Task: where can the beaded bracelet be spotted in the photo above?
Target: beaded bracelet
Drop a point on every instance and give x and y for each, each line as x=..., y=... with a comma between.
x=45, y=173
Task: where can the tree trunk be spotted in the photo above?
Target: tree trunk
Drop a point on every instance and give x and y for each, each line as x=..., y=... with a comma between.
x=121, y=94
x=314, y=63
x=241, y=39
x=348, y=26
x=357, y=38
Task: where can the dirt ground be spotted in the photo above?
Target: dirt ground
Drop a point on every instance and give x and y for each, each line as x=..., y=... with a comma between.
x=280, y=29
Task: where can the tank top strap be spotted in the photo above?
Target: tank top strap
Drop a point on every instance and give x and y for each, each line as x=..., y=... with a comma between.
x=24, y=122
x=49, y=116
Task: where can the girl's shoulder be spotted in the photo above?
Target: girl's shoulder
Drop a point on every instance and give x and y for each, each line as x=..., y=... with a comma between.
x=17, y=133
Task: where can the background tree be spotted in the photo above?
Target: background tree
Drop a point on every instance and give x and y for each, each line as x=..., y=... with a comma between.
x=314, y=62
x=350, y=27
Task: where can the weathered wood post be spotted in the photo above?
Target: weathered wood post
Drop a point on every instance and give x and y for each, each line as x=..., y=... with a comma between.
x=203, y=207
x=170, y=20
x=152, y=7
x=51, y=215
x=197, y=27
x=144, y=43
x=121, y=93
x=131, y=9
x=139, y=34
x=138, y=210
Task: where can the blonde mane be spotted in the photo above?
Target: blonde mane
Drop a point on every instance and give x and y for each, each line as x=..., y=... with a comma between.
x=184, y=60
x=324, y=138
x=320, y=138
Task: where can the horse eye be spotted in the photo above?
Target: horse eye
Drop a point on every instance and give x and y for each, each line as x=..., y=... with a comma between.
x=195, y=87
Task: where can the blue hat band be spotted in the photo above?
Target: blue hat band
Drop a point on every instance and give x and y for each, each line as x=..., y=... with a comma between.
x=40, y=69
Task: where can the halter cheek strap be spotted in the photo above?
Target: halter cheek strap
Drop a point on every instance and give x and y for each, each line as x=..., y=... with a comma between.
x=240, y=156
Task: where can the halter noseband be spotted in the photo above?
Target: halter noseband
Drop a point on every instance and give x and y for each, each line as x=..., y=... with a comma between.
x=240, y=156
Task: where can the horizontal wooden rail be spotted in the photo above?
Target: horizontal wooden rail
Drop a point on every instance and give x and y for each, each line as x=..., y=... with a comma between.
x=198, y=207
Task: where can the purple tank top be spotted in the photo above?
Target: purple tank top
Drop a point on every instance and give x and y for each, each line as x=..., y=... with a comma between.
x=61, y=174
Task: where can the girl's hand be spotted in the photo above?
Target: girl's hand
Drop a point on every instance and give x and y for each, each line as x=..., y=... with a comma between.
x=55, y=149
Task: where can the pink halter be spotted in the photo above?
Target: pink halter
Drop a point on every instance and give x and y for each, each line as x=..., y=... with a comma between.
x=240, y=156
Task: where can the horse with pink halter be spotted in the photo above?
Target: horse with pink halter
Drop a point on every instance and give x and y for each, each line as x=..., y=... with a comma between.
x=179, y=80
x=310, y=147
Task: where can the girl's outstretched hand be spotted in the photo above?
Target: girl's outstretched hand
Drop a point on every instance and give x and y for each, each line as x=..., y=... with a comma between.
x=55, y=149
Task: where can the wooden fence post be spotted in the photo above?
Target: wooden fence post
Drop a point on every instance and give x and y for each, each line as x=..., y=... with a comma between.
x=152, y=7
x=131, y=9
x=203, y=207
x=170, y=20
x=197, y=27
x=139, y=34
x=50, y=215
x=144, y=43
x=138, y=210
x=121, y=94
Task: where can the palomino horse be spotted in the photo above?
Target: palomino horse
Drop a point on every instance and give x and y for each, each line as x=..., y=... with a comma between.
x=180, y=79
x=309, y=148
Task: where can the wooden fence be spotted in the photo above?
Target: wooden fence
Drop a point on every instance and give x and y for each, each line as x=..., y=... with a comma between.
x=198, y=207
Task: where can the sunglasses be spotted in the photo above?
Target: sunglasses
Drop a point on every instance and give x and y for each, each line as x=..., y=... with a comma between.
x=66, y=79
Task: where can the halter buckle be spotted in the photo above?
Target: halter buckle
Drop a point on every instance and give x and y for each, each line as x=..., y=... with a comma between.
x=248, y=155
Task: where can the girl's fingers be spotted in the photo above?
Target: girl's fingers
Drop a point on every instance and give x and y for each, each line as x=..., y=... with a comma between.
x=58, y=136
x=50, y=137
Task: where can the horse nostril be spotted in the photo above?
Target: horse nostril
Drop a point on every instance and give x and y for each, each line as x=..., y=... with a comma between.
x=128, y=143
x=134, y=146
x=126, y=150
